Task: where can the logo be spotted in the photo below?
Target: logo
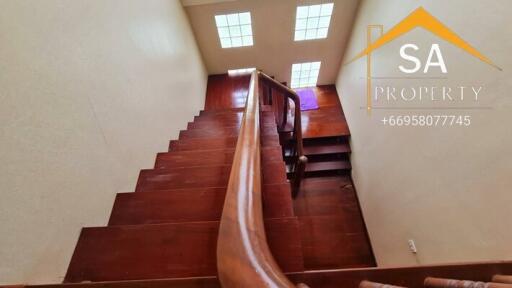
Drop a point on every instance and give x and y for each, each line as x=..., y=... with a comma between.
x=419, y=18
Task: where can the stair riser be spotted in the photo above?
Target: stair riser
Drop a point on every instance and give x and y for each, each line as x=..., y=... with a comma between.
x=321, y=158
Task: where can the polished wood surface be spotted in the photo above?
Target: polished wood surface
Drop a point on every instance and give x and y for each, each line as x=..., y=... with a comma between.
x=502, y=279
x=144, y=252
x=183, y=177
x=130, y=252
x=369, y=284
x=432, y=282
x=412, y=277
x=243, y=256
x=209, y=157
x=191, y=282
x=169, y=226
x=328, y=120
x=333, y=232
x=350, y=278
x=191, y=205
x=224, y=91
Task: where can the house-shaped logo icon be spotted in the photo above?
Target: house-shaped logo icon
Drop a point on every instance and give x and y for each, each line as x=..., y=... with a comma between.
x=421, y=18
x=418, y=18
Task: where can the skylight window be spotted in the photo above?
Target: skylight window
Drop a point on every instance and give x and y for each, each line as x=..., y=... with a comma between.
x=305, y=74
x=235, y=30
x=240, y=71
x=313, y=21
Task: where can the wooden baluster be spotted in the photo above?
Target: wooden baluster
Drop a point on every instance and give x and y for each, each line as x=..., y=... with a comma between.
x=301, y=159
x=432, y=282
x=502, y=279
x=369, y=284
x=269, y=93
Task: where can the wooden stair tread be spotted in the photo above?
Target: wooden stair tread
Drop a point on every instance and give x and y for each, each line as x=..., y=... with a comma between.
x=219, y=118
x=327, y=149
x=327, y=129
x=189, y=205
x=201, y=176
x=329, y=243
x=202, y=143
x=328, y=196
x=266, y=116
x=209, y=157
x=212, y=124
x=221, y=124
x=134, y=252
x=222, y=111
x=215, y=143
x=194, y=158
x=183, y=177
x=221, y=132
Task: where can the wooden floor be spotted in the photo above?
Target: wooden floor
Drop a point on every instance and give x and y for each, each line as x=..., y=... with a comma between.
x=224, y=92
x=332, y=229
x=331, y=224
x=329, y=119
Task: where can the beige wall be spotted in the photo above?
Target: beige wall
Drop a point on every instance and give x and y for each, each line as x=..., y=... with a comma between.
x=90, y=90
x=449, y=189
x=274, y=50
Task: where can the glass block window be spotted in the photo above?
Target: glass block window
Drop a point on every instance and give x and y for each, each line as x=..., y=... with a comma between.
x=313, y=21
x=235, y=30
x=305, y=74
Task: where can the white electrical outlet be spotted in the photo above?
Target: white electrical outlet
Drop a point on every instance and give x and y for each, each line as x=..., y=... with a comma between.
x=412, y=246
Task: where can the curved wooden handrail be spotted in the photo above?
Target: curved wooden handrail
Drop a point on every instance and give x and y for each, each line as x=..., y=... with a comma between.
x=243, y=256
x=297, y=128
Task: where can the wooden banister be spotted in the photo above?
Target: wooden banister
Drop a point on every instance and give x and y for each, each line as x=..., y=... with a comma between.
x=301, y=159
x=432, y=282
x=243, y=256
x=502, y=279
x=369, y=284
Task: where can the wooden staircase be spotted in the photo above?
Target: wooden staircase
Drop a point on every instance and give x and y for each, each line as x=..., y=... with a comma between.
x=193, y=221
x=168, y=227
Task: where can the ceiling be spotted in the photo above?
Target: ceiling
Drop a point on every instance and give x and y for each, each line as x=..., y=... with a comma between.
x=273, y=23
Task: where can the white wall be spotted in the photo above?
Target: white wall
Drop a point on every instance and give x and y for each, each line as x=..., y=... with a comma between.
x=274, y=50
x=90, y=91
x=449, y=189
